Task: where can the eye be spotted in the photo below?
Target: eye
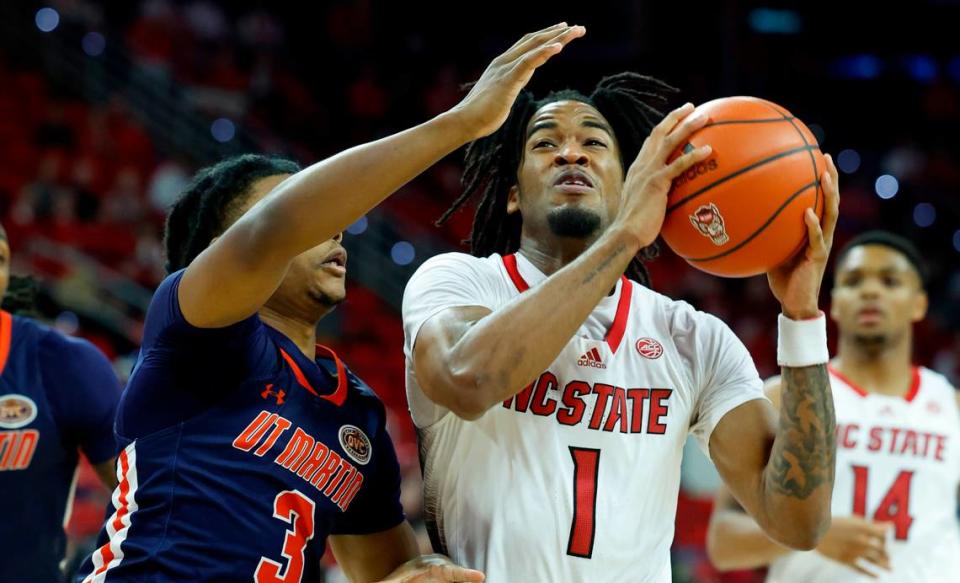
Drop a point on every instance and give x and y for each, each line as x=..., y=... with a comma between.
x=595, y=142
x=891, y=282
x=542, y=144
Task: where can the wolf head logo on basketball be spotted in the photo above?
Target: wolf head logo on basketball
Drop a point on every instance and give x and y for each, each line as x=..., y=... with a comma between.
x=708, y=220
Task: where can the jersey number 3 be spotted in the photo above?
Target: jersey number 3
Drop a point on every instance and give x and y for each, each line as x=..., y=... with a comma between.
x=293, y=507
x=586, y=471
x=895, y=506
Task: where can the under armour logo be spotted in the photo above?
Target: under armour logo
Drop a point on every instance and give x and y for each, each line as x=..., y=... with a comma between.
x=278, y=394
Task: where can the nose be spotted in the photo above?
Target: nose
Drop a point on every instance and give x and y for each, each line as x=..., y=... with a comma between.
x=571, y=153
x=870, y=288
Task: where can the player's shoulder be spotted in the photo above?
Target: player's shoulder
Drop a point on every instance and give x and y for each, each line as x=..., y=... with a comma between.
x=934, y=381
x=456, y=262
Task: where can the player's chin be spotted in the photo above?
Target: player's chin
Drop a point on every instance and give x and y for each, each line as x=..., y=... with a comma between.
x=329, y=291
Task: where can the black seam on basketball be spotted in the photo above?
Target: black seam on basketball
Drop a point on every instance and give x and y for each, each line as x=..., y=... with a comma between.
x=755, y=233
x=743, y=170
x=739, y=121
x=813, y=161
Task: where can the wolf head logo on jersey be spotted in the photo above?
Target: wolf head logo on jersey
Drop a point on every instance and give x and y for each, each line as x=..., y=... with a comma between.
x=16, y=411
x=355, y=443
x=708, y=220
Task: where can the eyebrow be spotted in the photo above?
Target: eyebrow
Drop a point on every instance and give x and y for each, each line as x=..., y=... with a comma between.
x=549, y=125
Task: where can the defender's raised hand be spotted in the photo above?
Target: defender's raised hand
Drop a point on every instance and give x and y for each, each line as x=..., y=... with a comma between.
x=488, y=103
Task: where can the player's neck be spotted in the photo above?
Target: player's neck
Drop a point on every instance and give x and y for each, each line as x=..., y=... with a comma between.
x=550, y=253
x=300, y=332
x=887, y=371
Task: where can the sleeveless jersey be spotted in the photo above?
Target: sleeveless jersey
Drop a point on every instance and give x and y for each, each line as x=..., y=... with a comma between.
x=575, y=478
x=898, y=461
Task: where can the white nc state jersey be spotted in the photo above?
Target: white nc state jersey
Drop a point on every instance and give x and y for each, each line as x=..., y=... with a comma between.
x=575, y=478
x=898, y=461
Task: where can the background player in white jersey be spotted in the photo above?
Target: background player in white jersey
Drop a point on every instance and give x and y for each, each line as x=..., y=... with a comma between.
x=898, y=440
x=552, y=420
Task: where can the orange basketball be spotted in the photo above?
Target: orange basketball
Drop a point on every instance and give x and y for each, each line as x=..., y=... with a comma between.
x=740, y=212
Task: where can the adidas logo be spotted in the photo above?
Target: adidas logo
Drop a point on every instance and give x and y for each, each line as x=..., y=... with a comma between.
x=591, y=358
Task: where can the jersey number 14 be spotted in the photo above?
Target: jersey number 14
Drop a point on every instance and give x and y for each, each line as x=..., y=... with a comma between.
x=895, y=505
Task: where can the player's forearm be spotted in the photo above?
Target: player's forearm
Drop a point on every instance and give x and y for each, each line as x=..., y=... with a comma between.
x=508, y=349
x=798, y=478
x=735, y=541
x=325, y=198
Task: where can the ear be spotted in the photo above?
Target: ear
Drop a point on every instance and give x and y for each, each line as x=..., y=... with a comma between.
x=513, y=200
x=920, y=305
x=833, y=307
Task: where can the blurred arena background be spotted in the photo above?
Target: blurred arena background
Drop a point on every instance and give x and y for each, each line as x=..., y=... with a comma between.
x=107, y=108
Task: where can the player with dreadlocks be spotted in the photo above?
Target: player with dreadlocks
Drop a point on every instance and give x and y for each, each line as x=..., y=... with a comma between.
x=58, y=396
x=536, y=361
x=246, y=445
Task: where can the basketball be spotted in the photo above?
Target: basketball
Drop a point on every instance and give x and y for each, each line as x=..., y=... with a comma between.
x=740, y=212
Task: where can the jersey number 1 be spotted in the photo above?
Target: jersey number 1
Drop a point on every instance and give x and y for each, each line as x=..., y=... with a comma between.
x=895, y=506
x=293, y=507
x=586, y=471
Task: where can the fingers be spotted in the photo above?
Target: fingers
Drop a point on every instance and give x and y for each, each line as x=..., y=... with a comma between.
x=516, y=48
x=862, y=571
x=817, y=246
x=831, y=181
x=560, y=34
x=528, y=62
x=667, y=124
x=685, y=161
x=682, y=131
x=453, y=574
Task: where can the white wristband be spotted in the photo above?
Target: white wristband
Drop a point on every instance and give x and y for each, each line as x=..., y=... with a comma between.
x=802, y=342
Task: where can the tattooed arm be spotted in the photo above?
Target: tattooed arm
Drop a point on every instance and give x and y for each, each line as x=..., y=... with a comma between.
x=780, y=473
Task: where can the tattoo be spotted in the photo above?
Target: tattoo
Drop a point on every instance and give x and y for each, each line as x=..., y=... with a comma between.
x=804, y=452
x=604, y=264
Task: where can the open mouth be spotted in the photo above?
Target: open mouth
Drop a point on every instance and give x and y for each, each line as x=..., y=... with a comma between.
x=336, y=261
x=576, y=179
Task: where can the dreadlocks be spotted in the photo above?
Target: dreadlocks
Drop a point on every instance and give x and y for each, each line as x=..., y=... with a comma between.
x=209, y=204
x=626, y=100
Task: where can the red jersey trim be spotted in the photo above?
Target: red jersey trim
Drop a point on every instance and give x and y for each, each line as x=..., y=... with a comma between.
x=510, y=262
x=6, y=332
x=339, y=395
x=909, y=396
x=615, y=334
x=619, y=326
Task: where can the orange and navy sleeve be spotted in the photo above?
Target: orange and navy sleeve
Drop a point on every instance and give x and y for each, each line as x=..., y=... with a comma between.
x=83, y=390
x=377, y=507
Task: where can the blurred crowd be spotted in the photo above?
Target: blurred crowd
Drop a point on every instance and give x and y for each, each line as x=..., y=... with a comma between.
x=92, y=168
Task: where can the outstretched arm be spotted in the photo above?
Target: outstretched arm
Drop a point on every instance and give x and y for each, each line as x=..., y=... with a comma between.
x=782, y=474
x=236, y=275
x=469, y=358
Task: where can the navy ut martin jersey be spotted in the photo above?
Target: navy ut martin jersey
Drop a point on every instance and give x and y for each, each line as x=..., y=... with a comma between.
x=240, y=455
x=57, y=394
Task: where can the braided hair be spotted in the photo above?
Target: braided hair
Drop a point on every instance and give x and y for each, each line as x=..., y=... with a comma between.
x=209, y=204
x=627, y=100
